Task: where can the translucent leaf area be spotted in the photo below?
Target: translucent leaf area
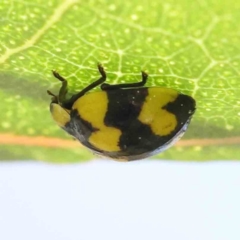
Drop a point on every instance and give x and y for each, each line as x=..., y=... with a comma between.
x=191, y=46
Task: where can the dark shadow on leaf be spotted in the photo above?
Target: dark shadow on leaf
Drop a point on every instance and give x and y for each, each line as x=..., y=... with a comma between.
x=15, y=85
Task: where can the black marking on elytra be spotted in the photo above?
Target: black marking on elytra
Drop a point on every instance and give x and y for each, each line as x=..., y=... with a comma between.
x=139, y=138
x=81, y=129
x=183, y=108
x=124, y=105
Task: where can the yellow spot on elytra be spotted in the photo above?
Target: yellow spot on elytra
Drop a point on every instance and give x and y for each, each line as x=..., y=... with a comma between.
x=92, y=108
x=160, y=120
x=106, y=139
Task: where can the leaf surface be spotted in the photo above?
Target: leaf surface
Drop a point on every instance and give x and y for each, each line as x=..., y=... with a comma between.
x=189, y=46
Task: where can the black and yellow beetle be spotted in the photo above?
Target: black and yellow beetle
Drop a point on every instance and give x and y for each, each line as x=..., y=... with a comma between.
x=124, y=121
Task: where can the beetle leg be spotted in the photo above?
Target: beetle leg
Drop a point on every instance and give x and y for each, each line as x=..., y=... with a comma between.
x=63, y=90
x=54, y=97
x=58, y=76
x=106, y=86
x=68, y=104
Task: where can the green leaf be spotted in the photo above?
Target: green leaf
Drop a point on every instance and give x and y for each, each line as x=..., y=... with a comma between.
x=191, y=46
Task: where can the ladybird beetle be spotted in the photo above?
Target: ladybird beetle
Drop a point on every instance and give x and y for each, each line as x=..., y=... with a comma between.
x=124, y=121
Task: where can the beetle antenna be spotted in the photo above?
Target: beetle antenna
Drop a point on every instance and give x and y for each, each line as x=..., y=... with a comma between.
x=54, y=97
x=50, y=93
